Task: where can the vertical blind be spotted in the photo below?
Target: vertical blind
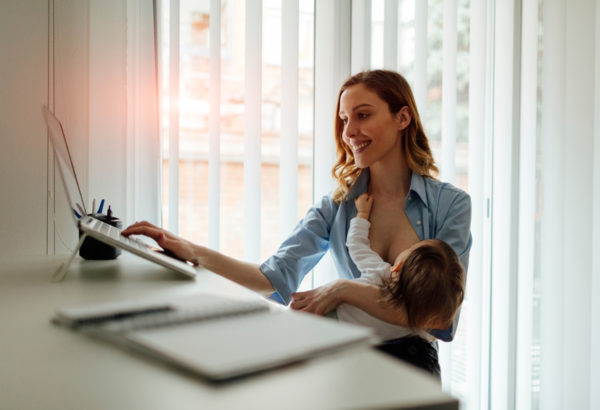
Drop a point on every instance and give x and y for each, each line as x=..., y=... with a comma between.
x=361, y=35
x=214, y=155
x=420, y=70
x=554, y=169
x=569, y=74
x=527, y=202
x=332, y=66
x=503, y=205
x=449, y=92
x=252, y=129
x=390, y=35
x=477, y=281
x=174, y=116
x=288, y=181
x=448, y=134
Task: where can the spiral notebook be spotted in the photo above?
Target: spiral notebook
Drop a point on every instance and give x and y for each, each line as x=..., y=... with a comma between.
x=214, y=336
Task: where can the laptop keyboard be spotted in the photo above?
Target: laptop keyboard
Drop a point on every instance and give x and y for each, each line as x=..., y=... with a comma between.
x=137, y=244
x=115, y=233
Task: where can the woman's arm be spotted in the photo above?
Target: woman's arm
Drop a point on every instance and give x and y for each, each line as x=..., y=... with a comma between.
x=281, y=273
x=368, y=298
x=244, y=273
x=364, y=296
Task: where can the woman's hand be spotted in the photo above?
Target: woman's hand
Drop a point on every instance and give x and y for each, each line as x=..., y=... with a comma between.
x=245, y=273
x=364, y=296
x=321, y=300
x=180, y=248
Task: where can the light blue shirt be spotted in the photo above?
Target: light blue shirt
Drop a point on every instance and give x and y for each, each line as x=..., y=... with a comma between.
x=436, y=210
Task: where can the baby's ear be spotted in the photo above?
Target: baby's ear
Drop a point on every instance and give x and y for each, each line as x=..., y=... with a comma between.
x=396, y=267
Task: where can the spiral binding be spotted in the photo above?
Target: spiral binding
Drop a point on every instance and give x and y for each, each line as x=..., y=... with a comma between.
x=186, y=315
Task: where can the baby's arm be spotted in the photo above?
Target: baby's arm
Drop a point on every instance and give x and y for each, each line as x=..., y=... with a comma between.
x=367, y=261
x=359, y=247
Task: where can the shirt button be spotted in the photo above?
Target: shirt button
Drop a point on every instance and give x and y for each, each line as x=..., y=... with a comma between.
x=409, y=198
x=418, y=222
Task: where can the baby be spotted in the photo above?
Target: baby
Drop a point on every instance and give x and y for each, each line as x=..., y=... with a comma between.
x=427, y=279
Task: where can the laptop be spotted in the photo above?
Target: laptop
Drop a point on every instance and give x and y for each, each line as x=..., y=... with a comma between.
x=91, y=226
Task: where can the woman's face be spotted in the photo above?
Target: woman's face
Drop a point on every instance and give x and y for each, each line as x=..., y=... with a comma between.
x=370, y=130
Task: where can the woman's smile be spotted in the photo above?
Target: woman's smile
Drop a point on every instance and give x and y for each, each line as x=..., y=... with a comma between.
x=358, y=147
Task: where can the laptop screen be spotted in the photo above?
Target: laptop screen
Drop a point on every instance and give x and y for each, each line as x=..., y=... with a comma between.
x=63, y=160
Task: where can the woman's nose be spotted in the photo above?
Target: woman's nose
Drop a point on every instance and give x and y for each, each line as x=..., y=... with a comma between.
x=351, y=129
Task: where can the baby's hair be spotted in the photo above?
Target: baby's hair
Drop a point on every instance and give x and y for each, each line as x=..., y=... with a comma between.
x=429, y=284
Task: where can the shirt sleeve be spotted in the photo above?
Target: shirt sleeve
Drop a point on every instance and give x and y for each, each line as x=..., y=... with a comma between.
x=301, y=251
x=454, y=228
x=372, y=268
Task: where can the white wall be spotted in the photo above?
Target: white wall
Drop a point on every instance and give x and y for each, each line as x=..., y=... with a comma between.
x=47, y=49
x=72, y=55
x=108, y=103
x=23, y=144
x=68, y=84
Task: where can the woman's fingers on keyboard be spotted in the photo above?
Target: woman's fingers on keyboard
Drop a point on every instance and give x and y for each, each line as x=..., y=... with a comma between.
x=148, y=229
x=152, y=232
x=143, y=223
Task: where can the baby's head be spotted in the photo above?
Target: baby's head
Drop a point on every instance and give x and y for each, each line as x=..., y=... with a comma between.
x=429, y=280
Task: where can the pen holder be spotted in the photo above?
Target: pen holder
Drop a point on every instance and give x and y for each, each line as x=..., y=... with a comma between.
x=92, y=249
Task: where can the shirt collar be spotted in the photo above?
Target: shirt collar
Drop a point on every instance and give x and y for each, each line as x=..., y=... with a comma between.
x=417, y=185
x=360, y=186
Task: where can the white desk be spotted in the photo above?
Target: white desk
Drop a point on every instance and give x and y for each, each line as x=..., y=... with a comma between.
x=45, y=366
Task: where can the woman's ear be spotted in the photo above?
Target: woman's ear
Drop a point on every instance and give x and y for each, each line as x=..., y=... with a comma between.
x=403, y=117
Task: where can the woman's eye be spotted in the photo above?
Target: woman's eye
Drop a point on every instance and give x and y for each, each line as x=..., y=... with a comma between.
x=362, y=116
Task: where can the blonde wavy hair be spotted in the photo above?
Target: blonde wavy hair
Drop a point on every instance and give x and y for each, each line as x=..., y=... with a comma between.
x=392, y=88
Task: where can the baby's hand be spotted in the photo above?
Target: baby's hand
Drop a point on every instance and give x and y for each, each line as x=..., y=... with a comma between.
x=363, y=205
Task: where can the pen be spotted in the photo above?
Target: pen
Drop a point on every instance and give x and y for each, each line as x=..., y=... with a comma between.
x=93, y=204
x=80, y=208
x=101, y=206
x=120, y=315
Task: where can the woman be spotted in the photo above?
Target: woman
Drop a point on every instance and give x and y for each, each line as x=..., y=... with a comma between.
x=381, y=149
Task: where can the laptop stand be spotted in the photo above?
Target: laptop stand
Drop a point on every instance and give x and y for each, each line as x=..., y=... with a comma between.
x=61, y=272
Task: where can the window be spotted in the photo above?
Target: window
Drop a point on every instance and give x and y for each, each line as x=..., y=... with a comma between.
x=444, y=112
x=498, y=93
x=192, y=215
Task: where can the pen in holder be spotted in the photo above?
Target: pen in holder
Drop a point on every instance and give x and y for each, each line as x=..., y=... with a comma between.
x=92, y=249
